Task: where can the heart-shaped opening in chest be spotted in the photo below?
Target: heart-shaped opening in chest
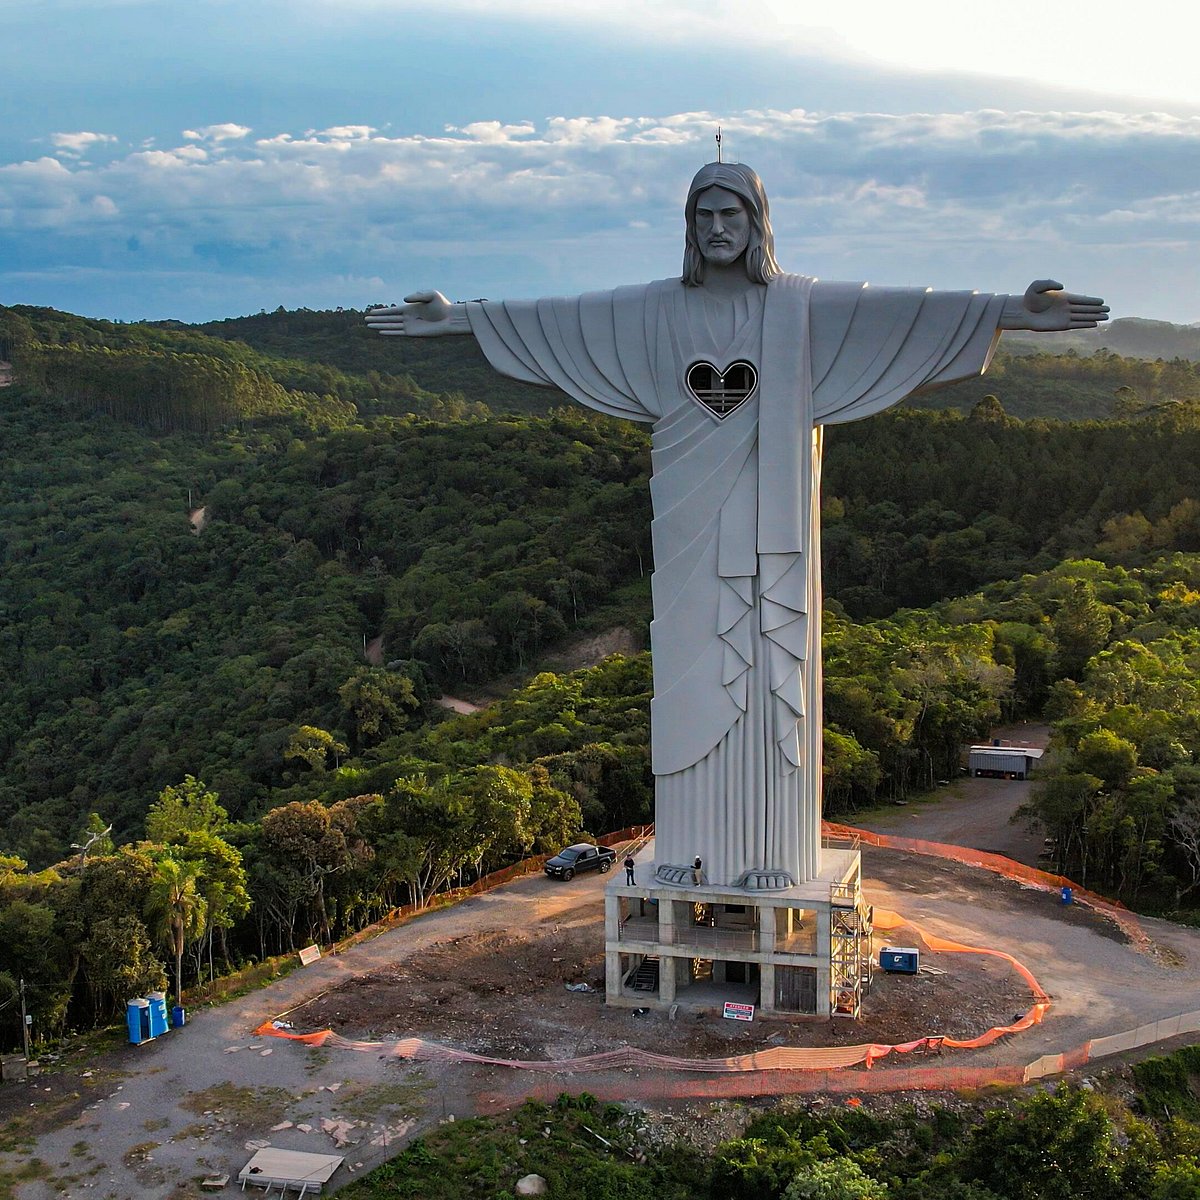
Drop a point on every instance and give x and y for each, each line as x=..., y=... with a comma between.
x=722, y=391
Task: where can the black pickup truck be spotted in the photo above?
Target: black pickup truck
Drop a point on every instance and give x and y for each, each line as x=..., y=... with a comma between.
x=583, y=856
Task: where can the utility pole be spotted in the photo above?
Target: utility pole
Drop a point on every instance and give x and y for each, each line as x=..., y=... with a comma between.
x=24, y=1021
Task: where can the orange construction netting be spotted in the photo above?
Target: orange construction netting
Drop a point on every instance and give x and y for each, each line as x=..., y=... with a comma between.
x=998, y=864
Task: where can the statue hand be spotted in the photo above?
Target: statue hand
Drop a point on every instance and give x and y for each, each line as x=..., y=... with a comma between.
x=1046, y=307
x=423, y=314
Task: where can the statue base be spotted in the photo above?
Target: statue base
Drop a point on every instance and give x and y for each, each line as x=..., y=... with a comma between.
x=800, y=951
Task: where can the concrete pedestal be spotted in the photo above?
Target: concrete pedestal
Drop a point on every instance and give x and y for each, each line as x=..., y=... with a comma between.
x=802, y=951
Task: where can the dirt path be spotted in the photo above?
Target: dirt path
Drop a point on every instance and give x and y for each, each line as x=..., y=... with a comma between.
x=971, y=812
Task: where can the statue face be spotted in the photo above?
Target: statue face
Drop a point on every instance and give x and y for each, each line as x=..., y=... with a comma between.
x=722, y=226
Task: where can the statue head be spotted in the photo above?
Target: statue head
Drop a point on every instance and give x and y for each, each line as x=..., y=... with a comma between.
x=744, y=183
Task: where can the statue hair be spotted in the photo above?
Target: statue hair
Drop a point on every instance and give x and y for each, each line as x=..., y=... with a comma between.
x=743, y=181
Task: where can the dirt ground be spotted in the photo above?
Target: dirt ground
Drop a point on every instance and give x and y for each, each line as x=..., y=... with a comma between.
x=503, y=992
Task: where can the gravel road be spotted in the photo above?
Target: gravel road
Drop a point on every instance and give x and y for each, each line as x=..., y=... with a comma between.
x=971, y=812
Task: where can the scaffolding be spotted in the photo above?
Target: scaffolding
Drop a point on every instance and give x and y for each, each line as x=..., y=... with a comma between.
x=850, y=926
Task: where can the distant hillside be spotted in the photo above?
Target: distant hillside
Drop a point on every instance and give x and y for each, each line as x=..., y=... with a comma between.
x=326, y=360
x=177, y=377
x=1133, y=337
x=340, y=338
x=1073, y=387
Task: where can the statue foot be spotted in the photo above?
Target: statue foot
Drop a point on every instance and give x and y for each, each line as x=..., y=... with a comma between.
x=765, y=879
x=679, y=876
x=760, y=879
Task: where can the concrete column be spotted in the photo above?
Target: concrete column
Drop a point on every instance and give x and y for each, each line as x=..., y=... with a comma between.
x=666, y=922
x=612, y=974
x=667, y=968
x=766, y=927
x=612, y=917
x=824, y=952
x=766, y=987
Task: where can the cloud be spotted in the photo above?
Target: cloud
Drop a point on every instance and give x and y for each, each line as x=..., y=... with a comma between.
x=77, y=144
x=579, y=201
x=217, y=133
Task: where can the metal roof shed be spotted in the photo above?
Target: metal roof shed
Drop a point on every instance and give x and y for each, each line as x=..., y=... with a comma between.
x=285, y=1169
x=1003, y=760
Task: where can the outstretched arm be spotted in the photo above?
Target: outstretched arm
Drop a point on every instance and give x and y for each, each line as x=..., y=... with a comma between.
x=423, y=314
x=1045, y=307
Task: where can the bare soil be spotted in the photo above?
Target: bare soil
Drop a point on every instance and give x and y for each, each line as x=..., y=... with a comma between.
x=503, y=993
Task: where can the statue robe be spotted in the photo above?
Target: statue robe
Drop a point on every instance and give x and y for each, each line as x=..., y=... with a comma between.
x=736, y=728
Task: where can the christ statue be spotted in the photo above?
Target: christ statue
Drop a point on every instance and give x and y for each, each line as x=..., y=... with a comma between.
x=737, y=367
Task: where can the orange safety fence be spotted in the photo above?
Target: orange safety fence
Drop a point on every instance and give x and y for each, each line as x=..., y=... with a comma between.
x=748, y=1085
x=778, y=1058
x=1000, y=865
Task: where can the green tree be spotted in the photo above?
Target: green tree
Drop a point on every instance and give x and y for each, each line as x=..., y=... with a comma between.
x=834, y=1179
x=1081, y=627
x=378, y=702
x=119, y=962
x=176, y=910
x=314, y=746
x=1107, y=756
x=187, y=807
x=1052, y=1147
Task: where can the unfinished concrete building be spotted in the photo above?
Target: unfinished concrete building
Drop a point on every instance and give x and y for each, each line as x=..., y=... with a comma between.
x=800, y=951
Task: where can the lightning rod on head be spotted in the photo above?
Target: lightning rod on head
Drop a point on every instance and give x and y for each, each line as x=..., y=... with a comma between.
x=718, y=143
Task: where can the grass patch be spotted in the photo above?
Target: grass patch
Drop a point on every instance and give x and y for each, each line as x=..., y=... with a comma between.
x=242, y=1105
x=484, y=1157
x=316, y=1058
x=35, y=1168
x=242, y=982
x=135, y=1156
x=20, y=1130
x=366, y=1102
x=1169, y=1085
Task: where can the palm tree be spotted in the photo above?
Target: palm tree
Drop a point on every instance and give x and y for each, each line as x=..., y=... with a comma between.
x=176, y=910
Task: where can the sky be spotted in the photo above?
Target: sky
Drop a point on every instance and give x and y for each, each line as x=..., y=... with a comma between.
x=216, y=158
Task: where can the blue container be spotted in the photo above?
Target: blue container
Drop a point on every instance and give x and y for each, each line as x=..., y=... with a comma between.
x=1068, y=895
x=158, y=1013
x=900, y=960
x=137, y=1017
x=178, y=1017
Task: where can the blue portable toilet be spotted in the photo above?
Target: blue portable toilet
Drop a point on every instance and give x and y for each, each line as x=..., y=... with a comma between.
x=178, y=1016
x=900, y=960
x=137, y=1017
x=1068, y=894
x=158, y=1013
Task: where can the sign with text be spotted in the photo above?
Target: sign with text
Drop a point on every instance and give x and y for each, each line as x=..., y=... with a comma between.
x=309, y=955
x=738, y=1012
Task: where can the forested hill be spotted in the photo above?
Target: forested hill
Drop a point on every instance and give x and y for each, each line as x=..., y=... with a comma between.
x=137, y=651
x=329, y=366
x=1062, y=382
x=1132, y=337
